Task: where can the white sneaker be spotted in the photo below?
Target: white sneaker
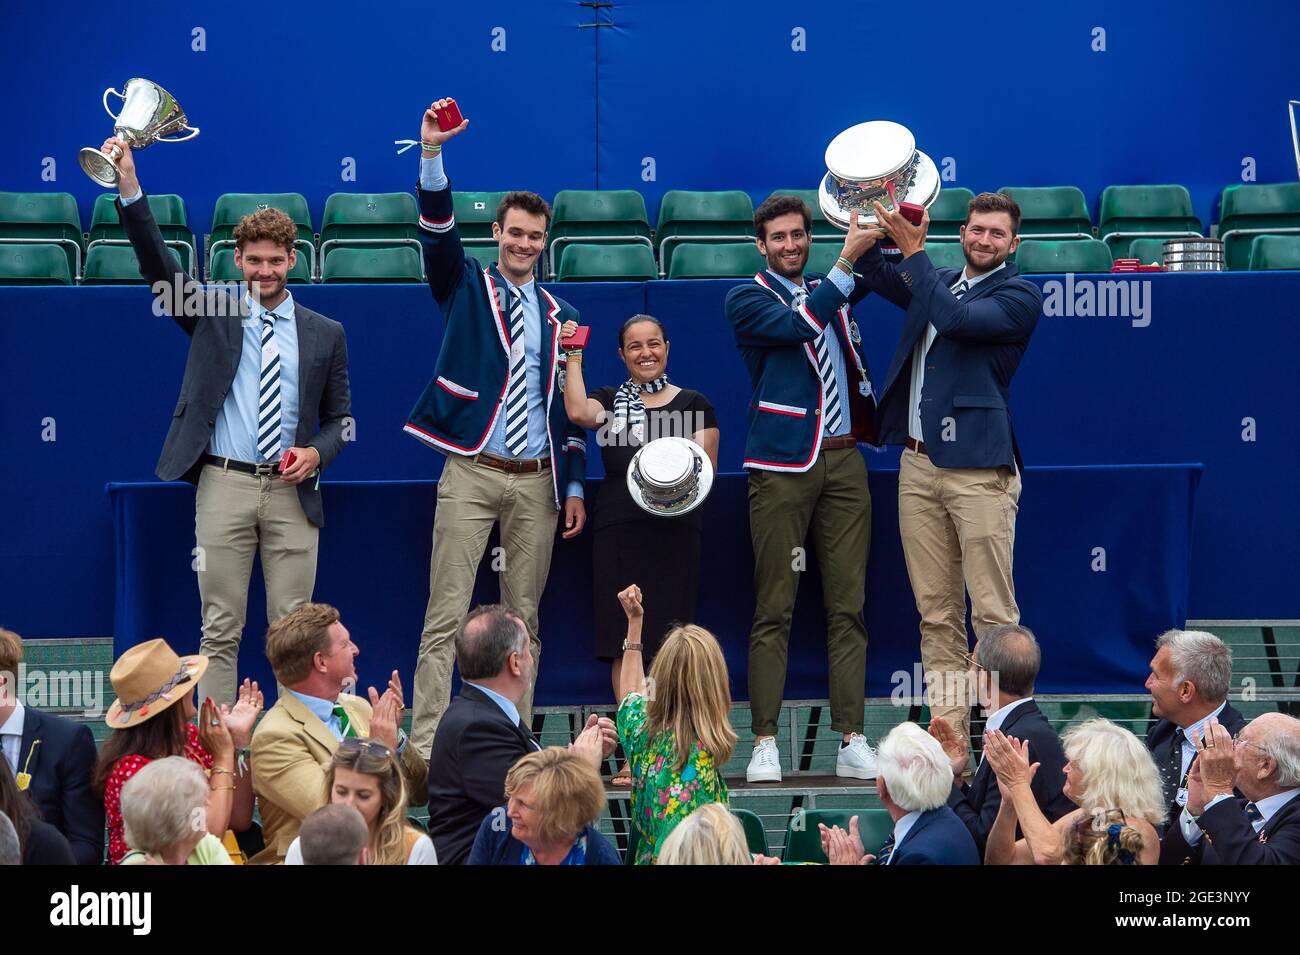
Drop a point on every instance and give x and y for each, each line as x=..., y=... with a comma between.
x=765, y=764
x=857, y=760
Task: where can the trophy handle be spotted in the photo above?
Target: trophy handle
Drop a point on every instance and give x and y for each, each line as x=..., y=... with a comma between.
x=121, y=96
x=193, y=131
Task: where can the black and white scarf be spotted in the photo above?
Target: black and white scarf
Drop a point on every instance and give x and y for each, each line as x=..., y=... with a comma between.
x=629, y=410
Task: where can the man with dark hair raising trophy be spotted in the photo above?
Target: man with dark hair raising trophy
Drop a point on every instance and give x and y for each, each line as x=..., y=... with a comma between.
x=495, y=408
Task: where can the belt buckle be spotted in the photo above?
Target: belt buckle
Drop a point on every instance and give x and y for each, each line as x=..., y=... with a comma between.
x=264, y=470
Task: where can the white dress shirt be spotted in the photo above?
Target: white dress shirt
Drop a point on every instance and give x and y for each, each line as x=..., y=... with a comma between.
x=11, y=737
x=901, y=829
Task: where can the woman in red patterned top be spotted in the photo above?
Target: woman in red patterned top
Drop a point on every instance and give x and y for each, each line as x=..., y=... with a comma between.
x=149, y=681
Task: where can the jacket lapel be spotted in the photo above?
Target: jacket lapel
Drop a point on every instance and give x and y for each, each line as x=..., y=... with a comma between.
x=310, y=722
x=497, y=290
x=307, y=345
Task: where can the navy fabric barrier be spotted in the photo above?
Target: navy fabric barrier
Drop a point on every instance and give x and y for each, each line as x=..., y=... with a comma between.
x=1096, y=624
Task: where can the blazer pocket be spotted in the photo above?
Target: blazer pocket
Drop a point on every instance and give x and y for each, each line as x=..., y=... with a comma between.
x=978, y=401
x=458, y=390
x=792, y=410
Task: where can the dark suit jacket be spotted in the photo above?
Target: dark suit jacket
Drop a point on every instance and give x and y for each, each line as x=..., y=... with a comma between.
x=1229, y=838
x=1160, y=738
x=976, y=804
x=937, y=838
x=61, y=768
x=45, y=845
x=981, y=340
x=474, y=748
x=216, y=343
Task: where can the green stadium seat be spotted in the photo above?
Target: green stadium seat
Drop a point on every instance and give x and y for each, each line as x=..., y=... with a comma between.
x=946, y=255
x=385, y=220
x=1246, y=211
x=1035, y=256
x=948, y=212
x=583, y=262
x=803, y=841
x=1148, y=251
x=729, y=260
x=39, y=263
x=233, y=206
x=168, y=212
x=822, y=228
x=487, y=254
x=686, y=216
x=1274, y=252
x=597, y=215
x=43, y=217
x=111, y=265
x=223, y=269
x=1133, y=715
x=822, y=256
x=475, y=213
x=1053, y=212
x=755, y=834
x=372, y=265
x=1127, y=212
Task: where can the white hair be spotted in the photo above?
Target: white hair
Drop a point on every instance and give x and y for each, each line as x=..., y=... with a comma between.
x=163, y=803
x=915, y=768
x=1279, y=739
x=1200, y=658
x=1119, y=772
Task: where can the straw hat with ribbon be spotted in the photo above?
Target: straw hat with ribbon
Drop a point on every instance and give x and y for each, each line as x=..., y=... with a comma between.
x=147, y=679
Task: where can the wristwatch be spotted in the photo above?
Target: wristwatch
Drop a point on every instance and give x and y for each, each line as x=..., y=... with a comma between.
x=628, y=645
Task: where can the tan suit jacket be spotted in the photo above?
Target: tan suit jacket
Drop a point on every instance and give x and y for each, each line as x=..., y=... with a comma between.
x=291, y=749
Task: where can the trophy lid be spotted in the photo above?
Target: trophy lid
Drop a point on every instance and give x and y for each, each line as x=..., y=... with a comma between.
x=870, y=150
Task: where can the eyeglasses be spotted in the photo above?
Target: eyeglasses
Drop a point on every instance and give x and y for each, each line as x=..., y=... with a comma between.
x=1238, y=741
x=365, y=746
x=972, y=662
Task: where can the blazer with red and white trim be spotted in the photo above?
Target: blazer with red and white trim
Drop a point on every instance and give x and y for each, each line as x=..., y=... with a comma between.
x=459, y=407
x=776, y=342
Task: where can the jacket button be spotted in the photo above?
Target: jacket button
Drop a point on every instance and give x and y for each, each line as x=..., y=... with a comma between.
x=817, y=411
x=211, y=422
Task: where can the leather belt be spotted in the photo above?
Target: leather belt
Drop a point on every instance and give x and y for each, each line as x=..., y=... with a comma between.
x=836, y=444
x=258, y=470
x=514, y=465
x=917, y=446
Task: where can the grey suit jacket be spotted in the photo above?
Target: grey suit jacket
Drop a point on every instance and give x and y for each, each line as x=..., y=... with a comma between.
x=210, y=317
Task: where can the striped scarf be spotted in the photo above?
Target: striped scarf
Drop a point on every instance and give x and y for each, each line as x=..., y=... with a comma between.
x=629, y=410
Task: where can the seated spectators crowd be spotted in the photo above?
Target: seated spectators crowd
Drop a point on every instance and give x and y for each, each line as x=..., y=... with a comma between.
x=334, y=779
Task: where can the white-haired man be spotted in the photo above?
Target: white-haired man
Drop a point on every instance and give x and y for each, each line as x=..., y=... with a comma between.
x=1263, y=826
x=1190, y=676
x=914, y=782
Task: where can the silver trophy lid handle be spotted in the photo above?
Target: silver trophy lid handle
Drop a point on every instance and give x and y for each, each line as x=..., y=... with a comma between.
x=121, y=96
x=192, y=130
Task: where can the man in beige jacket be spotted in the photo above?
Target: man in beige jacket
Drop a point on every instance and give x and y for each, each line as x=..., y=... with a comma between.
x=311, y=654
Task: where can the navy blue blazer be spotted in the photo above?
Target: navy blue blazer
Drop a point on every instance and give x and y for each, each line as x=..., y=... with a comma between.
x=60, y=756
x=937, y=838
x=776, y=343
x=980, y=341
x=1228, y=838
x=459, y=407
x=976, y=804
x=497, y=846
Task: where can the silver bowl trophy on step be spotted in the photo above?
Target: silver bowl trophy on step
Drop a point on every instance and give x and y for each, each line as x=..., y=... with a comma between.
x=875, y=162
x=149, y=114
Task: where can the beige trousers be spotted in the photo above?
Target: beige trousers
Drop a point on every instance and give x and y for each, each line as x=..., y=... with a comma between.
x=958, y=527
x=471, y=498
x=235, y=516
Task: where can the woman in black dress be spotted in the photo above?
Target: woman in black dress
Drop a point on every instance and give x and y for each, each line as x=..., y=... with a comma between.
x=630, y=546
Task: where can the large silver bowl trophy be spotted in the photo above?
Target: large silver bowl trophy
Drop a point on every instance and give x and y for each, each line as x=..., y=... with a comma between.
x=875, y=162
x=149, y=114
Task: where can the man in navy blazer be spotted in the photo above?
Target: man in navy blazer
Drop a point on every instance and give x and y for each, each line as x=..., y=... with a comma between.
x=53, y=761
x=914, y=781
x=945, y=399
x=495, y=408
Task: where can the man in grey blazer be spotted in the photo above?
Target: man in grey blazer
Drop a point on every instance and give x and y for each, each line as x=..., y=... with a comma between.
x=264, y=407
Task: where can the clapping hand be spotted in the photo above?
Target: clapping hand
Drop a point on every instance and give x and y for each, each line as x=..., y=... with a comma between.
x=597, y=740
x=1009, y=758
x=386, y=713
x=844, y=848
x=1214, y=757
x=214, y=735
x=430, y=132
x=241, y=718
x=954, y=747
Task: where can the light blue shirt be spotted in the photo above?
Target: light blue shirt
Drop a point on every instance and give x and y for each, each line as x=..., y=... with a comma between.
x=507, y=706
x=840, y=281
x=235, y=433
x=432, y=178
x=323, y=710
x=901, y=829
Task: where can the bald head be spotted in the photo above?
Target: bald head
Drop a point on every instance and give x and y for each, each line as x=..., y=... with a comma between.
x=487, y=637
x=1011, y=652
x=1276, y=741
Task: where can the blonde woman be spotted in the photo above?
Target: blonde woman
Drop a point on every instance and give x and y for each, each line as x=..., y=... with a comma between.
x=1110, y=775
x=710, y=835
x=675, y=727
x=367, y=775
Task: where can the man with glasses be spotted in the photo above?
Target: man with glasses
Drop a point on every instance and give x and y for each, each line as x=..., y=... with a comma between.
x=1262, y=825
x=312, y=654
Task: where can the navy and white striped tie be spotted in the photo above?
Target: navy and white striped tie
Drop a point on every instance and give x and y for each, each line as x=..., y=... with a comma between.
x=960, y=289
x=516, y=390
x=268, y=414
x=832, y=416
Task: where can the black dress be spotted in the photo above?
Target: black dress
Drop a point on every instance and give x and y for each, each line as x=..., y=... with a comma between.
x=661, y=555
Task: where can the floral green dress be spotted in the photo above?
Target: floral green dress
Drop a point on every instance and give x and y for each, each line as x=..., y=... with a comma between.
x=661, y=796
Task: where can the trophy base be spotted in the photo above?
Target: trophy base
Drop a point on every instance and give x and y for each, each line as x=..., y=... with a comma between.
x=99, y=167
x=923, y=191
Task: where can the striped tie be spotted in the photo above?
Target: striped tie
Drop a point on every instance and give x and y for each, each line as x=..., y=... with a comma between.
x=516, y=392
x=1253, y=813
x=345, y=724
x=959, y=289
x=268, y=414
x=887, y=850
x=832, y=418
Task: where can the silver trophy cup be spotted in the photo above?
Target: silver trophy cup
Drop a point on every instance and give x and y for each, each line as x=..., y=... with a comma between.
x=875, y=162
x=149, y=114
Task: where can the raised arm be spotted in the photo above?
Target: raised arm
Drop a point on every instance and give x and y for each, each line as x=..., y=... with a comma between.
x=583, y=411
x=632, y=675
x=444, y=256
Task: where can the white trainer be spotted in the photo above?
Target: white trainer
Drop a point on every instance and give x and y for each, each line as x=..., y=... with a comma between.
x=765, y=764
x=857, y=760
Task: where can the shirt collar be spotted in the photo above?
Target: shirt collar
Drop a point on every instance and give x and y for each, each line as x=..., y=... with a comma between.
x=995, y=721
x=1271, y=804
x=903, y=827
x=14, y=725
x=791, y=287
x=507, y=706
x=972, y=282
x=1199, y=725
x=323, y=710
x=526, y=291
x=283, y=310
